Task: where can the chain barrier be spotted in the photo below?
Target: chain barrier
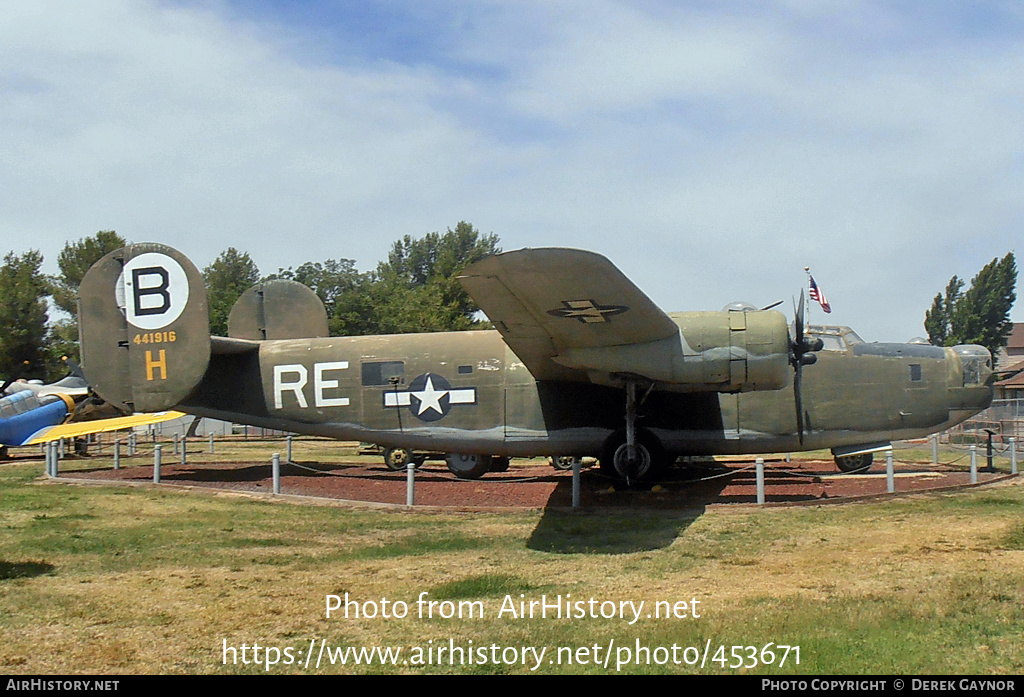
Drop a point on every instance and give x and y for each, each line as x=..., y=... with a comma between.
x=145, y=448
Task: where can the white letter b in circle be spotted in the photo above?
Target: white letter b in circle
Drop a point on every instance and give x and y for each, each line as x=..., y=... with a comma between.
x=152, y=290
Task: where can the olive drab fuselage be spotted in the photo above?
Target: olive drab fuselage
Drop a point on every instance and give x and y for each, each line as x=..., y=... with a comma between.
x=467, y=392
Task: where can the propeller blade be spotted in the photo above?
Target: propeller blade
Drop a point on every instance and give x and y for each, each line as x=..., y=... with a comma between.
x=799, y=402
x=75, y=369
x=798, y=357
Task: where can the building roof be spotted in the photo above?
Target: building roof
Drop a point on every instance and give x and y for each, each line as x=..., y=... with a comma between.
x=1016, y=338
x=1016, y=379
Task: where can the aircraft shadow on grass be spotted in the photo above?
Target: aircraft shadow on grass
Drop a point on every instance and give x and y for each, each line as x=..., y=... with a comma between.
x=622, y=521
x=10, y=570
x=618, y=521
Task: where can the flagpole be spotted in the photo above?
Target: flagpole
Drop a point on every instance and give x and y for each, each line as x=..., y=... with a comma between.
x=807, y=312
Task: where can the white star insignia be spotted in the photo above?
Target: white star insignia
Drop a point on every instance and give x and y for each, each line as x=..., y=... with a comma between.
x=430, y=398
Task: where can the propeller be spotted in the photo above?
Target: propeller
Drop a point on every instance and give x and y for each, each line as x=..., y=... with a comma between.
x=802, y=351
x=73, y=367
x=17, y=375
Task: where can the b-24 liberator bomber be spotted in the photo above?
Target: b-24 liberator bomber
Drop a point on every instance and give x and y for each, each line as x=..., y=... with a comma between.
x=580, y=363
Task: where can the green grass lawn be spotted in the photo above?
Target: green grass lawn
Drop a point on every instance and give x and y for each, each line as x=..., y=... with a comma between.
x=111, y=579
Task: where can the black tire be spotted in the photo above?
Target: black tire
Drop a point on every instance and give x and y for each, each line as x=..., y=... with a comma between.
x=855, y=463
x=397, y=459
x=468, y=466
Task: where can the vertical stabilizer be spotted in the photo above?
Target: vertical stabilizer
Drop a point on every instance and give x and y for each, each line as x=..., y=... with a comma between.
x=144, y=327
x=277, y=309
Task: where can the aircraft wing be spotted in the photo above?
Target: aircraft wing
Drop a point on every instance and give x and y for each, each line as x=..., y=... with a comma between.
x=553, y=305
x=81, y=428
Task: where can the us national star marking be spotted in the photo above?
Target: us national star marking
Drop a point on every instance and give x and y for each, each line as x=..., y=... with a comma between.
x=430, y=397
x=587, y=311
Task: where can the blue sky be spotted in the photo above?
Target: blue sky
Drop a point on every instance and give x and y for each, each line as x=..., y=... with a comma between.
x=710, y=149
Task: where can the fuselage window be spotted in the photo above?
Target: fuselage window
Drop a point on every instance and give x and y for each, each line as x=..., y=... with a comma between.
x=915, y=372
x=465, y=369
x=383, y=373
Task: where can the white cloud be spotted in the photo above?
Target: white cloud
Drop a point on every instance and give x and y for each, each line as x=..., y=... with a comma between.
x=711, y=154
x=170, y=123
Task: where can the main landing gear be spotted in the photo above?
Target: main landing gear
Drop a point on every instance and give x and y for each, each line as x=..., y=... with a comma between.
x=855, y=463
x=564, y=462
x=633, y=455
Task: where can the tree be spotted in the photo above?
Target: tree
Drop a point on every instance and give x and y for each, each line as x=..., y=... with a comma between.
x=73, y=262
x=23, y=316
x=982, y=314
x=343, y=290
x=230, y=275
x=937, y=320
x=416, y=289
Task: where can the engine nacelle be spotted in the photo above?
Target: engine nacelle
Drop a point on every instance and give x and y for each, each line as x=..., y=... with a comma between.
x=713, y=352
x=737, y=351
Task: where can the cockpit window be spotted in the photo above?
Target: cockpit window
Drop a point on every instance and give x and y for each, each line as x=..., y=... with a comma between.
x=852, y=338
x=834, y=338
x=973, y=358
x=832, y=343
x=972, y=371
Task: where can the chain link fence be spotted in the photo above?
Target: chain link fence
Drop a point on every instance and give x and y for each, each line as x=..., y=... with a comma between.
x=1005, y=419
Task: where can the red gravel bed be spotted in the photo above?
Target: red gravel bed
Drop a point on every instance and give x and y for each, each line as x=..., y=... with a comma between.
x=536, y=486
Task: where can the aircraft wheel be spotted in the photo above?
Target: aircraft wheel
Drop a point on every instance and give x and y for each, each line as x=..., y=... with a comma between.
x=855, y=463
x=468, y=466
x=398, y=459
x=499, y=464
x=640, y=469
x=564, y=462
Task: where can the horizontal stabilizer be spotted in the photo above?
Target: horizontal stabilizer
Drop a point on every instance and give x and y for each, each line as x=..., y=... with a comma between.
x=220, y=345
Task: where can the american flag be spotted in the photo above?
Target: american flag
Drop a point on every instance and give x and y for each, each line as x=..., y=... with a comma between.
x=816, y=294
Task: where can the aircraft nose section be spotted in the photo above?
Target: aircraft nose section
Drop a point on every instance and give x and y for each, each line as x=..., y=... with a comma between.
x=976, y=374
x=976, y=362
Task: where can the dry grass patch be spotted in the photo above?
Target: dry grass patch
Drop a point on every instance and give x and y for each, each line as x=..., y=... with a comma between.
x=115, y=580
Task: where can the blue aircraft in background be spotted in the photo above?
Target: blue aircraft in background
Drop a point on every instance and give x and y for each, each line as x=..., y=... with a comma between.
x=33, y=413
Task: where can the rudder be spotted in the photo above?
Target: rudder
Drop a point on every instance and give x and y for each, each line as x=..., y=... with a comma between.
x=144, y=327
